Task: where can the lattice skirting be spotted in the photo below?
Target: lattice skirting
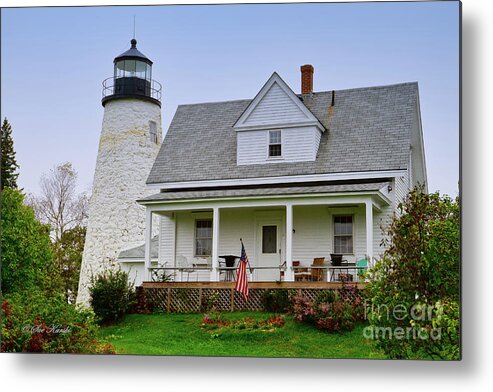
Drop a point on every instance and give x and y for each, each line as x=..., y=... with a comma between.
x=190, y=299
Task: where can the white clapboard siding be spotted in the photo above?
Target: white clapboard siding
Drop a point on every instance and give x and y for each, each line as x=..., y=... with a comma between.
x=299, y=144
x=252, y=147
x=135, y=271
x=236, y=224
x=275, y=107
x=317, y=136
x=185, y=237
x=167, y=240
x=381, y=221
x=401, y=189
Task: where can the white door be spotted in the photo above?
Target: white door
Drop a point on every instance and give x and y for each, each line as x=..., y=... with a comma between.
x=268, y=250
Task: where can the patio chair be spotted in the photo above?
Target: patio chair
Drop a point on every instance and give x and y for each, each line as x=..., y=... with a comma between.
x=184, y=266
x=361, y=263
x=317, y=273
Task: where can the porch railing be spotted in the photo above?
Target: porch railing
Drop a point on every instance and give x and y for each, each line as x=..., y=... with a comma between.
x=327, y=273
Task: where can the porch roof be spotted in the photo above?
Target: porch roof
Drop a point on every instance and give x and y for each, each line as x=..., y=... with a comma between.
x=260, y=191
x=137, y=253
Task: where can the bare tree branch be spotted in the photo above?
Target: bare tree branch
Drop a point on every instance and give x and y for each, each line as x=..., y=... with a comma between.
x=59, y=205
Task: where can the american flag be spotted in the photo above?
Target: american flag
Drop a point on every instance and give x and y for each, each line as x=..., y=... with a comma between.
x=241, y=276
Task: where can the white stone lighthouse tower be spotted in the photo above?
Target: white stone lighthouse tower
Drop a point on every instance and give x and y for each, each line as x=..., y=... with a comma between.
x=130, y=139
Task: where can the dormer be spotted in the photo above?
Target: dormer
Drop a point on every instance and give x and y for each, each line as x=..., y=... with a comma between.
x=277, y=127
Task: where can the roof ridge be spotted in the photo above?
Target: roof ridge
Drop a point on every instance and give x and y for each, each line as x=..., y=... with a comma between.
x=215, y=102
x=368, y=87
x=302, y=95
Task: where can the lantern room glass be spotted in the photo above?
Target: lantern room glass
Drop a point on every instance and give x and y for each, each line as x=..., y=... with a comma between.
x=133, y=69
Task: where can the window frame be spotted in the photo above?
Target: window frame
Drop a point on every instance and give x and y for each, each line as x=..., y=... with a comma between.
x=153, y=136
x=195, y=238
x=274, y=144
x=276, y=244
x=334, y=235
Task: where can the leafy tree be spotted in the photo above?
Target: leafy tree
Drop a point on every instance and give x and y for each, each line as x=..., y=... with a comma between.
x=414, y=289
x=68, y=257
x=27, y=260
x=9, y=165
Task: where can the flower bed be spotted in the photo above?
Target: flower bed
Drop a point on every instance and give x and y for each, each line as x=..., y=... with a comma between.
x=216, y=321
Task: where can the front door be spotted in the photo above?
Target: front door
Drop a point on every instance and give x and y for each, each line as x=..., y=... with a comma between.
x=268, y=250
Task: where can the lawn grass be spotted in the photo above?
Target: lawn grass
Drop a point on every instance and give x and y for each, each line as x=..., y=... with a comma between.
x=181, y=334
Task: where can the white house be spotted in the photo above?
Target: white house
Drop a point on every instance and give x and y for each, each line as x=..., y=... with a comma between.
x=297, y=177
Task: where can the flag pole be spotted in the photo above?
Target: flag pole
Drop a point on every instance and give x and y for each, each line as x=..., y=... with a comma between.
x=249, y=266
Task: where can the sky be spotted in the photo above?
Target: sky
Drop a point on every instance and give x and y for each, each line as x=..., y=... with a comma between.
x=54, y=60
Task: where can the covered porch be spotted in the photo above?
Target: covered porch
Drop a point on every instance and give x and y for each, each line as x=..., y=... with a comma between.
x=287, y=239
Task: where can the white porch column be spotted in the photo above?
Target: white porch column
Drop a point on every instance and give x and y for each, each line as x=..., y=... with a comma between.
x=148, y=237
x=369, y=230
x=215, y=244
x=289, y=274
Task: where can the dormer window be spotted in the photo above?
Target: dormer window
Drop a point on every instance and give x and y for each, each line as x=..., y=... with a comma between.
x=275, y=150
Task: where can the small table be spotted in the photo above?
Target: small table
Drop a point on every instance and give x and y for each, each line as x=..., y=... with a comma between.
x=230, y=263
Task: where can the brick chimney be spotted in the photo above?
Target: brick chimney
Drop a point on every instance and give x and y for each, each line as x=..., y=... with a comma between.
x=306, y=79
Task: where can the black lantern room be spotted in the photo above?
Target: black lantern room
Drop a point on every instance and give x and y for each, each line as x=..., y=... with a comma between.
x=132, y=78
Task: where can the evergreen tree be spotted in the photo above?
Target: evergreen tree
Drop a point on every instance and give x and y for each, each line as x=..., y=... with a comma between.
x=9, y=165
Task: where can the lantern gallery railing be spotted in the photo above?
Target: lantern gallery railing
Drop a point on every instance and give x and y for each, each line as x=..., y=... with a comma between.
x=131, y=86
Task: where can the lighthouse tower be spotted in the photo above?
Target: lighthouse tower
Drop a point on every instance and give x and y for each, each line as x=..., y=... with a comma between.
x=130, y=139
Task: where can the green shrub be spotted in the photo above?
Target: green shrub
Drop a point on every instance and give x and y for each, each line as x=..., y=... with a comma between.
x=112, y=295
x=276, y=301
x=36, y=323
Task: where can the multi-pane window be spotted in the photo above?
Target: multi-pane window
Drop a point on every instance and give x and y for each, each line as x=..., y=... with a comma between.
x=203, y=237
x=153, y=131
x=275, y=144
x=343, y=234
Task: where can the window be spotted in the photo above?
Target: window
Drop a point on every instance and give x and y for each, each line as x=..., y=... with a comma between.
x=343, y=234
x=269, y=239
x=203, y=237
x=153, y=131
x=275, y=144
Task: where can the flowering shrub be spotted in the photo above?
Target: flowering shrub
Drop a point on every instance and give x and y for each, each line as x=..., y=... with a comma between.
x=36, y=323
x=330, y=312
x=303, y=310
x=336, y=316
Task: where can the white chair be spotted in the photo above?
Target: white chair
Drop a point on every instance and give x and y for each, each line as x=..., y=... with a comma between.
x=184, y=266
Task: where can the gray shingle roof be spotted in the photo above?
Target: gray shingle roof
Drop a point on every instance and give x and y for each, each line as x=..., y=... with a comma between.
x=368, y=129
x=204, y=194
x=139, y=251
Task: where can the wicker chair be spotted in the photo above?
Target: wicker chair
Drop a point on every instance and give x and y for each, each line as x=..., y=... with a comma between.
x=317, y=273
x=301, y=274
